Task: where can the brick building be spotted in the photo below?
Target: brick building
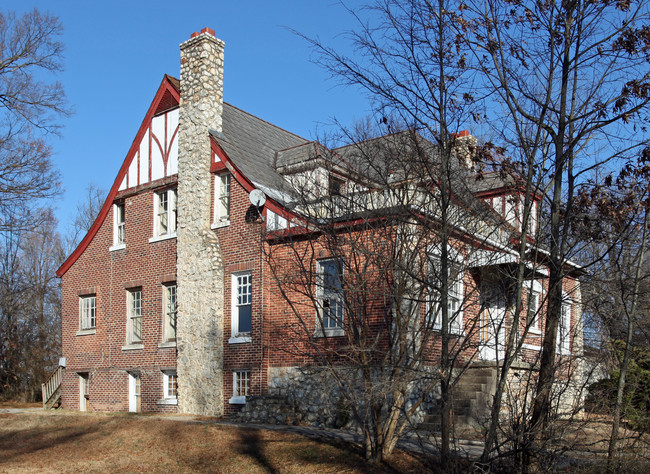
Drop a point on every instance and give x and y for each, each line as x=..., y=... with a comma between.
x=171, y=302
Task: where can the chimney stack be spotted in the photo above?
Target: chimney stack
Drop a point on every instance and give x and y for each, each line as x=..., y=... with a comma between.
x=199, y=267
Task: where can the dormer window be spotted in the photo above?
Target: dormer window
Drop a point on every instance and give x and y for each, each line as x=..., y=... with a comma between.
x=335, y=186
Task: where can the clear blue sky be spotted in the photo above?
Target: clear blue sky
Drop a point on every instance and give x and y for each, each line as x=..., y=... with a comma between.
x=117, y=52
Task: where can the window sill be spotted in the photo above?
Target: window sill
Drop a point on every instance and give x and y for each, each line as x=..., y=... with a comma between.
x=534, y=332
x=329, y=332
x=452, y=332
x=165, y=345
x=117, y=247
x=531, y=347
x=132, y=347
x=237, y=401
x=219, y=225
x=159, y=238
x=239, y=339
x=167, y=401
x=86, y=332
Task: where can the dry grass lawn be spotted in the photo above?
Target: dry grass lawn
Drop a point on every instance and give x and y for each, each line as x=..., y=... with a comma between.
x=71, y=442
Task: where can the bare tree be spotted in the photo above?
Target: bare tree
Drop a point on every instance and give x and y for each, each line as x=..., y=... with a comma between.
x=29, y=307
x=616, y=217
x=87, y=211
x=410, y=65
x=573, y=76
x=29, y=109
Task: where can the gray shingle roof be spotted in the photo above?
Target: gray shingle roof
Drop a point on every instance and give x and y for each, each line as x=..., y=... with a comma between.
x=252, y=144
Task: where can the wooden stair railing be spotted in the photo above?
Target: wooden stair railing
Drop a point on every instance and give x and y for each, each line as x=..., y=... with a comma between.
x=51, y=389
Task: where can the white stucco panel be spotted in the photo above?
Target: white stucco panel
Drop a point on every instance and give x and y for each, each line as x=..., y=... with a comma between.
x=144, y=158
x=133, y=171
x=172, y=141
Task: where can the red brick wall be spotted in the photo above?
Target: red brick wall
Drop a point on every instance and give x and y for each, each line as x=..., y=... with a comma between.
x=107, y=274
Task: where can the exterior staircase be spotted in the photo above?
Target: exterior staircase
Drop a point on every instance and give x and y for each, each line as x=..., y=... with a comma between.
x=471, y=399
x=51, y=389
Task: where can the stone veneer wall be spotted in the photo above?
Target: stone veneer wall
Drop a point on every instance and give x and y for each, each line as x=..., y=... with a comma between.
x=310, y=395
x=199, y=259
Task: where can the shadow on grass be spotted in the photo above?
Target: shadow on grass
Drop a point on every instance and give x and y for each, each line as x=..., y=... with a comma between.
x=28, y=441
x=252, y=445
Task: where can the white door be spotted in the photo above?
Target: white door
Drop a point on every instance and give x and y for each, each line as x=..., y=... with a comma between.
x=83, y=392
x=492, y=331
x=134, y=392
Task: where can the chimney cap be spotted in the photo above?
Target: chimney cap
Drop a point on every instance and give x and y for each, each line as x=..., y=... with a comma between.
x=462, y=133
x=207, y=30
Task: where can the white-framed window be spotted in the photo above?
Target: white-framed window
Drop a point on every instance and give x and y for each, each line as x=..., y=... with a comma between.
x=275, y=221
x=241, y=383
x=222, y=199
x=165, y=213
x=533, y=306
x=134, y=317
x=329, y=293
x=564, y=327
x=88, y=312
x=241, y=306
x=455, y=290
x=169, y=308
x=170, y=385
x=119, y=230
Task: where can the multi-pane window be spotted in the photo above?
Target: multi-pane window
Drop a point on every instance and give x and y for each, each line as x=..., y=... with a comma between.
x=169, y=331
x=242, y=304
x=329, y=291
x=165, y=218
x=88, y=311
x=170, y=384
x=532, y=310
x=455, y=293
x=241, y=383
x=134, y=323
x=119, y=235
x=221, y=199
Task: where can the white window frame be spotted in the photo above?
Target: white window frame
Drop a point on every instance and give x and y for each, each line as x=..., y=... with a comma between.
x=533, y=288
x=329, y=298
x=170, y=313
x=87, y=321
x=563, y=340
x=222, y=194
x=241, y=290
x=134, y=313
x=455, y=293
x=170, y=215
x=119, y=226
x=239, y=377
x=169, y=376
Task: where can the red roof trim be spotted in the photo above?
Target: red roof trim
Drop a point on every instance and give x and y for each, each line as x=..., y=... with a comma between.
x=166, y=86
x=244, y=181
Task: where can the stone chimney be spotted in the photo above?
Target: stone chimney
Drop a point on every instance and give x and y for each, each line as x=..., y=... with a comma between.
x=199, y=278
x=465, y=147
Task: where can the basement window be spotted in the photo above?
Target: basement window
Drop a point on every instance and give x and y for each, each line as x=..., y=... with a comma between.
x=241, y=382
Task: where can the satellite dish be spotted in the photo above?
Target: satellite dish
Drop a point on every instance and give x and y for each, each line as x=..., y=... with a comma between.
x=257, y=198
